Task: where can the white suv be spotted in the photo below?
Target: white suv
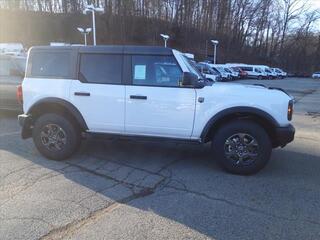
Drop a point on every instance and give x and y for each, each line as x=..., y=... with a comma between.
x=149, y=93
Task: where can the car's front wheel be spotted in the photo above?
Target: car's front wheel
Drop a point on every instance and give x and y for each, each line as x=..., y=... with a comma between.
x=55, y=137
x=242, y=147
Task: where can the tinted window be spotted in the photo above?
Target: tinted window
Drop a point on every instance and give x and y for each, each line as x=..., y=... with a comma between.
x=155, y=71
x=101, y=68
x=249, y=69
x=51, y=64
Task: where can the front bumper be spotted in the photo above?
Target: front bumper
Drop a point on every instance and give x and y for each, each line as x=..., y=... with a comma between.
x=284, y=135
x=25, y=121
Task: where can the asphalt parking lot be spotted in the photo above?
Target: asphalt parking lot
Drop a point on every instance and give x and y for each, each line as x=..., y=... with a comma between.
x=118, y=189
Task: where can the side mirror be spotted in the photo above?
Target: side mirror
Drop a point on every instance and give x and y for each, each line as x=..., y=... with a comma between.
x=16, y=73
x=189, y=79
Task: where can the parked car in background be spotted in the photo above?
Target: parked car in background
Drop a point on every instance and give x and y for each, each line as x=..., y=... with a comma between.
x=253, y=72
x=209, y=72
x=281, y=74
x=12, y=49
x=242, y=74
x=267, y=71
x=316, y=75
x=277, y=73
x=271, y=74
x=226, y=74
x=234, y=66
x=12, y=70
x=234, y=74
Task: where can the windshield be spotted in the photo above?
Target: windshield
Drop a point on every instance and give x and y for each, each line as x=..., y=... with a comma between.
x=258, y=70
x=221, y=69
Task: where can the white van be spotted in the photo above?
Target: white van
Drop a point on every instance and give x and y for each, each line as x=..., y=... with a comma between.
x=253, y=71
x=280, y=73
x=270, y=74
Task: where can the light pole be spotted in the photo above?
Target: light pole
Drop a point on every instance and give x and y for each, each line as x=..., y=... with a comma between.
x=92, y=9
x=215, y=44
x=165, y=38
x=84, y=32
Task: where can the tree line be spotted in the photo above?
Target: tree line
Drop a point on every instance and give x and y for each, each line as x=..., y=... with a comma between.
x=274, y=32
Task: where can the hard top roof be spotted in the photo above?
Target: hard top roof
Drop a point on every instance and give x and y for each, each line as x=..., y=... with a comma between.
x=113, y=49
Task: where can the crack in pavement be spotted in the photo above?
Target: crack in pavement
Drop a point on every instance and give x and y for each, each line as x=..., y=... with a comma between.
x=39, y=179
x=69, y=229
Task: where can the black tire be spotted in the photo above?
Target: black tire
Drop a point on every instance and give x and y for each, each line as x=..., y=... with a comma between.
x=249, y=128
x=70, y=141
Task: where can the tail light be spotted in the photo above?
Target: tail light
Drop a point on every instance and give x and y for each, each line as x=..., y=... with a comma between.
x=19, y=94
x=290, y=110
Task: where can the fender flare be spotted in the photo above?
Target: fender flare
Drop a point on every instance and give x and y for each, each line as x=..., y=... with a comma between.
x=63, y=103
x=237, y=111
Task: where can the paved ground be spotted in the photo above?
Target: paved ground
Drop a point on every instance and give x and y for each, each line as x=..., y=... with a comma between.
x=133, y=190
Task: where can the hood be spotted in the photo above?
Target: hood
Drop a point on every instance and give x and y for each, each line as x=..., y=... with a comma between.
x=251, y=86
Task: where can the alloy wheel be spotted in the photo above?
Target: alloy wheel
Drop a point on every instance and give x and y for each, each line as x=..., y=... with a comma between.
x=53, y=137
x=242, y=149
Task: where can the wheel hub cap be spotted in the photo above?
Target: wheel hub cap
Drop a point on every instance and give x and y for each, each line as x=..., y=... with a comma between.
x=53, y=137
x=242, y=149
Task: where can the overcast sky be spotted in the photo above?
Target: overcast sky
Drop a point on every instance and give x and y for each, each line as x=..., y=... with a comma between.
x=315, y=3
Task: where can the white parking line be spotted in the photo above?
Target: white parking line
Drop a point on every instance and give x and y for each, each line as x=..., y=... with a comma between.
x=9, y=134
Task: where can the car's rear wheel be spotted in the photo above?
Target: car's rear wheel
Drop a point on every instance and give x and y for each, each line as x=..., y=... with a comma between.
x=242, y=147
x=55, y=137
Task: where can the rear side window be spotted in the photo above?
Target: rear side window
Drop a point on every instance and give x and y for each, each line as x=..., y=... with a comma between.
x=101, y=68
x=51, y=64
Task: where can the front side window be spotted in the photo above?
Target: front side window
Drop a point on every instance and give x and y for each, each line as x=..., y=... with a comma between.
x=156, y=71
x=101, y=68
x=51, y=64
x=246, y=69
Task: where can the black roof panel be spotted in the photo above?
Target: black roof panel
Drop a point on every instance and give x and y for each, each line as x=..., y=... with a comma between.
x=115, y=49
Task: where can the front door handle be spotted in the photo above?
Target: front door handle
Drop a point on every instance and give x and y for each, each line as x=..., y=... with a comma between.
x=82, y=94
x=138, y=97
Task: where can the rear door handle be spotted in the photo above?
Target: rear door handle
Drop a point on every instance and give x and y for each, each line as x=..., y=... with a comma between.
x=82, y=94
x=138, y=97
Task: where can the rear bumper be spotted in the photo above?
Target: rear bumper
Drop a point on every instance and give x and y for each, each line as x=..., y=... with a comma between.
x=25, y=121
x=284, y=135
